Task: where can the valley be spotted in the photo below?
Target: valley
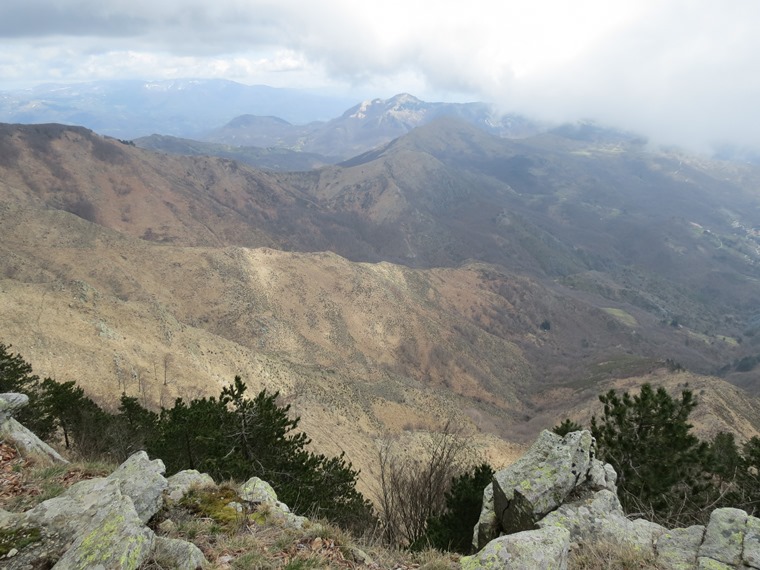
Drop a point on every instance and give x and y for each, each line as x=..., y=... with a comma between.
x=501, y=283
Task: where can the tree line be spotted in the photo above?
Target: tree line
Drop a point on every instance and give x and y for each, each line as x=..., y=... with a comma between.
x=430, y=499
x=230, y=436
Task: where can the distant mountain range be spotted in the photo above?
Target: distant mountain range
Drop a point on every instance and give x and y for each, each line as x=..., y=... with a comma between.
x=129, y=109
x=236, y=115
x=365, y=126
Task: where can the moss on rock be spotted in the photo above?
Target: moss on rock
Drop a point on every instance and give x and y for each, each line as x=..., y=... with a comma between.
x=18, y=538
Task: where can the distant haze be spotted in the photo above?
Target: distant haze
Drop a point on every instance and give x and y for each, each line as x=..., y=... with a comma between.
x=681, y=72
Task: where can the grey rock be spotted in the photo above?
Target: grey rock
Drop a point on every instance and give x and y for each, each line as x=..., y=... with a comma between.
x=10, y=402
x=260, y=492
x=542, y=549
x=142, y=480
x=487, y=527
x=104, y=519
x=361, y=557
x=601, y=476
x=29, y=443
x=677, y=549
x=167, y=527
x=542, y=479
x=74, y=512
x=179, y=554
x=751, y=546
x=710, y=564
x=601, y=518
x=8, y=519
x=724, y=536
x=116, y=539
x=257, y=491
x=180, y=483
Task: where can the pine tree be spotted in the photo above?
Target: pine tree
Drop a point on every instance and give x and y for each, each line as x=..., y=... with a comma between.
x=566, y=427
x=16, y=376
x=452, y=530
x=235, y=437
x=82, y=423
x=647, y=439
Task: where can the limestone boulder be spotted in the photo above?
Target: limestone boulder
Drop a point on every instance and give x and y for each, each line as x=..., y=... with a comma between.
x=178, y=554
x=751, y=549
x=142, y=480
x=11, y=403
x=678, y=549
x=543, y=549
x=542, y=479
x=601, y=518
x=100, y=523
x=180, y=483
x=260, y=493
x=724, y=537
x=487, y=526
x=29, y=443
x=116, y=539
x=92, y=525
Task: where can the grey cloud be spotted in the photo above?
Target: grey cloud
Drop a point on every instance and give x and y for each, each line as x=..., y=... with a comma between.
x=684, y=72
x=35, y=18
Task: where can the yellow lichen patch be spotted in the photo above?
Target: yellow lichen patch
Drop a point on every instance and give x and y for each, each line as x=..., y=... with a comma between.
x=97, y=547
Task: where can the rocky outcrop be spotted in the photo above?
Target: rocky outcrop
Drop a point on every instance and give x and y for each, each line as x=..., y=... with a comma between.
x=101, y=523
x=559, y=487
x=22, y=437
x=257, y=492
x=543, y=549
x=180, y=483
x=540, y=482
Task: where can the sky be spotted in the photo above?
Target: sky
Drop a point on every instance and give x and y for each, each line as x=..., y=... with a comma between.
x=684, y=72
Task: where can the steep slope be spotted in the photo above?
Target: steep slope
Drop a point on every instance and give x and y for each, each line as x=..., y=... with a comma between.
x=721, y=406
x=357, y=349
x=524, y=274
x=667, y=233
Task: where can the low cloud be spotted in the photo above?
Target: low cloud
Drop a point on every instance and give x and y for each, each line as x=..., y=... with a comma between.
x=682, y=72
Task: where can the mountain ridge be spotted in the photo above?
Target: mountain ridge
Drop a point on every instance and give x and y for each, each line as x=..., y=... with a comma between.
x=287, y=279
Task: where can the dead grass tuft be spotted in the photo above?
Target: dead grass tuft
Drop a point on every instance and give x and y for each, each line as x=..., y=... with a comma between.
x=609, y=556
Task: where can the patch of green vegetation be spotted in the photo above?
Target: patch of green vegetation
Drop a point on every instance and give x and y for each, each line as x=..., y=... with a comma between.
x=729, y=340
x=214, y=503
x=622, y=316
x=304, y=564
x=18, y=538
x=252, y=561
x=711, y=339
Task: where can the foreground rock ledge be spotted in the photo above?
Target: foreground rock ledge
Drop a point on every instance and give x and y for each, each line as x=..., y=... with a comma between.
x=558, y=494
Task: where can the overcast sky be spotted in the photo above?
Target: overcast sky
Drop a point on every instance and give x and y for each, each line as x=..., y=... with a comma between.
x=680, y=71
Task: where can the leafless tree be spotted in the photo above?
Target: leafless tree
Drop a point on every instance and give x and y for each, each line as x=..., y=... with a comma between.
x=412, y=489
